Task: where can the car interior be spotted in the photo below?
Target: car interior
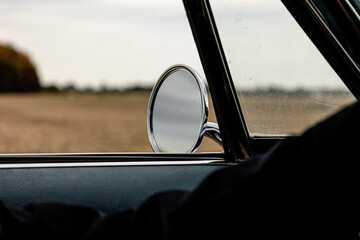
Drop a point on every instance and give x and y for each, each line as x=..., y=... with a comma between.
x=116, y=181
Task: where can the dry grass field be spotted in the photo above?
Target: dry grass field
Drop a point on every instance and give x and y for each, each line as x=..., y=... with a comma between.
x=65, y=123
x=290, y=114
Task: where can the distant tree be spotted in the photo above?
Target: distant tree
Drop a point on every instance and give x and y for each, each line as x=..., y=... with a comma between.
x=17, y=73
x=50, y=89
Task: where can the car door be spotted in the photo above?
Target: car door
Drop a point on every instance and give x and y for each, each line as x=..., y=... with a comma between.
x=115, y=181
x=75, y=140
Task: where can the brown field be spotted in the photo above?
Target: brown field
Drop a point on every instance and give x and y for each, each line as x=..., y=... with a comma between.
x=65, y=123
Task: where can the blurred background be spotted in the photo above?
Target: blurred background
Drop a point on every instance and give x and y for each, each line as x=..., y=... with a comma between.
x=76, y=75
x=97, y=44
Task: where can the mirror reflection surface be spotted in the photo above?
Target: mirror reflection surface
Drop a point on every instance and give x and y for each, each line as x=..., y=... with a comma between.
x=177, y=111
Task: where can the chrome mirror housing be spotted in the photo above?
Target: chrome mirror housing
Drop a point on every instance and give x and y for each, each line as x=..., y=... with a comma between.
x=178, y=112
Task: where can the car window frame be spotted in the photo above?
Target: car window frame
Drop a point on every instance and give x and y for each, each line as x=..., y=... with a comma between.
x=238, y=144
x=44, y=160
x=316, y=23
x=235, y=136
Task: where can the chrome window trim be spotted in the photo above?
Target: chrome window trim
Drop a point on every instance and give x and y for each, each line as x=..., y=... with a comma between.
x=54, y=160
x=317, y=13
x=348, y=3
x=107, y=164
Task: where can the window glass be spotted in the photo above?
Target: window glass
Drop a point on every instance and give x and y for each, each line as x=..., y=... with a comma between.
x=96, y=62
x=284, y=83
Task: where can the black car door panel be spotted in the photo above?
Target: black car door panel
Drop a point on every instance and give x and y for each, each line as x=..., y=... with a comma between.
x=104, y=187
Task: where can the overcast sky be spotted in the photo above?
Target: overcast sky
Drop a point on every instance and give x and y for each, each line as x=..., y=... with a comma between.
x=91, y=43
x=95, y=42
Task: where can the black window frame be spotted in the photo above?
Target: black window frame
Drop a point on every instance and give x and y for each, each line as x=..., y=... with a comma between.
x=238, y=145
x=235, y=136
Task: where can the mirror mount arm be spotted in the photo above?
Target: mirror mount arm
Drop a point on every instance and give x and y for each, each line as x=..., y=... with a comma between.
x=212, y=131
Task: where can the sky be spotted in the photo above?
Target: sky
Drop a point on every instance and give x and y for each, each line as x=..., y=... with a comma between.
x=121, y=43
x=99, y=42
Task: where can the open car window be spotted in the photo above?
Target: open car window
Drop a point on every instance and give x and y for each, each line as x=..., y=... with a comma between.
x=284, y=84
x=96, y=64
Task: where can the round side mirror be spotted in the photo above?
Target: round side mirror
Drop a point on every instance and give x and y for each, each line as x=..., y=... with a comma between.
x=178, y=112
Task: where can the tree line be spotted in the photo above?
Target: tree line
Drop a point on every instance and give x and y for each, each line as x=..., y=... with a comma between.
x=17, y=72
